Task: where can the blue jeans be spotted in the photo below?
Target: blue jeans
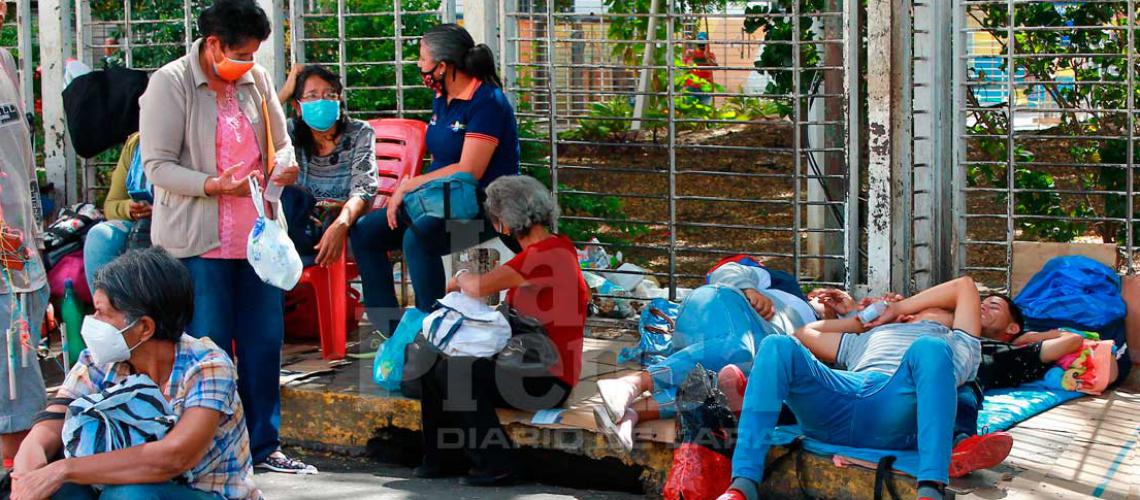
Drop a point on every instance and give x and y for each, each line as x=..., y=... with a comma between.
x=716, y=327
x=157, y=491
x=236, y=309
x=424, y=247
x=104, y=243
x=914, y=407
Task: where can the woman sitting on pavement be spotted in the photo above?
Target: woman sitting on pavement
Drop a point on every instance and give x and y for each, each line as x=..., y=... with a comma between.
x=337, y=156
x=143, y=302
x=108, y=240
x=719, y=327
x=543, y=282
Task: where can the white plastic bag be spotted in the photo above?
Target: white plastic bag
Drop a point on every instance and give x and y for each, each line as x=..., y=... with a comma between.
x=463, y=326
x=270, y=251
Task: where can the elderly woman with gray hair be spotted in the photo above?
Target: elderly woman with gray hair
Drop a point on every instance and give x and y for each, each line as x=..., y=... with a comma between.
x=472, y=131
x=543, y=282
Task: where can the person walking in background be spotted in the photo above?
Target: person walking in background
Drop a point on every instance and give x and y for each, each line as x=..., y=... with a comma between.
x=23, y=280
x=699, y=54
x=206, y=117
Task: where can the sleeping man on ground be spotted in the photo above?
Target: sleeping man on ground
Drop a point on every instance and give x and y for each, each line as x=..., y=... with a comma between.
x=891, y=391
x=718, y=325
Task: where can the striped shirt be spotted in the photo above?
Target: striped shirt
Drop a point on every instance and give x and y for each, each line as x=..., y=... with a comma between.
x=203, y=377
x=881, y=349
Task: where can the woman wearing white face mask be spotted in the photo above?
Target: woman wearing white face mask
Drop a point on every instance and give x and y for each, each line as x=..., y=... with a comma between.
x=137, y=329
x=204, y=121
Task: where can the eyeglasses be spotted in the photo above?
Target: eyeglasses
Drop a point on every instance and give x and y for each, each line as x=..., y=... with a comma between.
x=313, y=96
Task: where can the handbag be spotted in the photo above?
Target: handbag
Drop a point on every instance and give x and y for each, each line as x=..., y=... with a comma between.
x=455, y=197
x=529, y=352
x=464, y=326
x=269, y=250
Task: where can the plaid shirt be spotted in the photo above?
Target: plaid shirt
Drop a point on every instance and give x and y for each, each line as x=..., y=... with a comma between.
x=203, y=377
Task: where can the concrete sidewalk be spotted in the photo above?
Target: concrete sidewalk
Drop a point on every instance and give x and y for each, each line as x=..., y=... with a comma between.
x=363, y=479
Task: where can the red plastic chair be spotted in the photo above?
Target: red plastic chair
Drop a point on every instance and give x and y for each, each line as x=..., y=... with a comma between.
x=400, y=149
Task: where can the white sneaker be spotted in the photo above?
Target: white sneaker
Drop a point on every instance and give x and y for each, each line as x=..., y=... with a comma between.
x=617, y=395
x=620, y=434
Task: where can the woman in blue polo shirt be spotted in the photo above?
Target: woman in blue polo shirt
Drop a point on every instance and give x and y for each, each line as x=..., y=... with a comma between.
x=472, y=130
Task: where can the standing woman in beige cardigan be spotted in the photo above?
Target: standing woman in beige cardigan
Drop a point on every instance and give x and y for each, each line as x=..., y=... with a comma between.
x=203, y=124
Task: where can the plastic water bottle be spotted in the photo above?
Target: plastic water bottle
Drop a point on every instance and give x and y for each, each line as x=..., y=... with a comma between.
x=273, y=191
x=872, y=312
x=72, y=313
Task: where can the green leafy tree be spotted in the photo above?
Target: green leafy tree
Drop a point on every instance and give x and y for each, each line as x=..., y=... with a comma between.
x=1067, y=52
x=777, y=19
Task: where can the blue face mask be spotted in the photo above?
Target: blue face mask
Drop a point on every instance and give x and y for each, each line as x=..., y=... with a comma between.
x=321, y=114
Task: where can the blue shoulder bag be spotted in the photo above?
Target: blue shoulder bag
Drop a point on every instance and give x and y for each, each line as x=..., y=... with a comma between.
x=448, y=198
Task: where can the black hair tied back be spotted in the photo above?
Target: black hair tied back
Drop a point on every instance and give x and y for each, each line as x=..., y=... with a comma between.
x=479, y=62
x=452, y=44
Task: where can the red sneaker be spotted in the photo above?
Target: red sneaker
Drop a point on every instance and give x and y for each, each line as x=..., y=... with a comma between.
x=980, y=452
x=732, y=381
x=732, y=495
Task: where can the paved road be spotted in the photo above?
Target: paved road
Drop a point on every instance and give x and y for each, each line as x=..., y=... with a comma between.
x=361, y=479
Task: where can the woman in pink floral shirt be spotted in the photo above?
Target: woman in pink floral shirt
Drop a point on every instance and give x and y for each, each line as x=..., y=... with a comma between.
x=204, y=135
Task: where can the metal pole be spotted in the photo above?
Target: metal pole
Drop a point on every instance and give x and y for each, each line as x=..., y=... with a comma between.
x=879, y=145
x=297, y=32
x=797, y=136
x=341, y=50
x=958, y=149
x=1011, y=169
x=902, y=146
x=187, y=23
x=672, y=142
x=852, y=108
x=24, y=46
x=1131, y=91
x=399, y=57
x=128, y=57
x=646, y=60
x=552, y=103
x=449, y=11
x=508, y=29
x=59, y=160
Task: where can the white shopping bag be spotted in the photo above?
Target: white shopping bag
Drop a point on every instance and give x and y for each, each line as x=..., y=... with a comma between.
x=463, y=326
x=270, y=251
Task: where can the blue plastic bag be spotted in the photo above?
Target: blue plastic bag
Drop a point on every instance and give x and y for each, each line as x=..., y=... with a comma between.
x=138, y=186
x=388, y=367
x=656, y=328
x=1075, y=292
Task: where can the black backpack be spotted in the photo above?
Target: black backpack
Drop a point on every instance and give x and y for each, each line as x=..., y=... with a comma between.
x=102, y=108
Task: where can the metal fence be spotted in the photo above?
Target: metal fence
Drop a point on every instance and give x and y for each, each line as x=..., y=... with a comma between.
x=135, y=34
x=1045, y=130
x=677, y=164
x=373, y=45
